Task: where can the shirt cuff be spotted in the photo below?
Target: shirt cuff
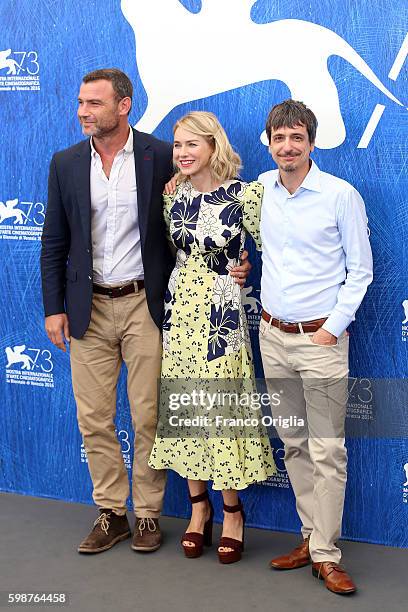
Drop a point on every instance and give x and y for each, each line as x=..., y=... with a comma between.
x=337, y=323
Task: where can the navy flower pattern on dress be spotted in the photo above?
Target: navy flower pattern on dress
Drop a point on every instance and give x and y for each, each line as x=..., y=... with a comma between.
x=223, y=320
x=230, y=201
x=209, y=228
x=184, y=216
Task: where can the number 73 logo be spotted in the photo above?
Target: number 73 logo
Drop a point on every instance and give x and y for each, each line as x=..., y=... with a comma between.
x=25, y=61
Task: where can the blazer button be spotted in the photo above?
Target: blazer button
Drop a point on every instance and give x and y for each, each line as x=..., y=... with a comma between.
x=90, y=277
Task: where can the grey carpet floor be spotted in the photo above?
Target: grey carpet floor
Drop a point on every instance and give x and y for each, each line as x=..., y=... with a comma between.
x=38, y=539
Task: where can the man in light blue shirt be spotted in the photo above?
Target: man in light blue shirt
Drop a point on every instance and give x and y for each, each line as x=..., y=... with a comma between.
x=317, y=266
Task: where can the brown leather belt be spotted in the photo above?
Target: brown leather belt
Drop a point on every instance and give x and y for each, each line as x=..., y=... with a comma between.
x=115, y=292
x=294, y=328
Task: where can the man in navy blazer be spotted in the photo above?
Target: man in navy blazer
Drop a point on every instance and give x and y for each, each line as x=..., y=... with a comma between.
x=66, y=259
x=105, y=265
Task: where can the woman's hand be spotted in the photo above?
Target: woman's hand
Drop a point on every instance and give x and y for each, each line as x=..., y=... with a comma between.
x=171, y=186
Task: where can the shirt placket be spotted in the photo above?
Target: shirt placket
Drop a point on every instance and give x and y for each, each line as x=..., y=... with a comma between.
x=286, y=206
x=111, y=220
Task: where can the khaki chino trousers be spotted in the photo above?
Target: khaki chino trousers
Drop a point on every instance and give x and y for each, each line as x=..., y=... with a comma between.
x=121, y=330
x=312, y=383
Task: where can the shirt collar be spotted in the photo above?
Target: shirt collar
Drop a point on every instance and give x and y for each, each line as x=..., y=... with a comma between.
x=311, y=182
x=128, y=148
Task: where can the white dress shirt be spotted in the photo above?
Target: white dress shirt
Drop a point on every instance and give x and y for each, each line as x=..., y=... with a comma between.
x=316, y=254
x=117, y=255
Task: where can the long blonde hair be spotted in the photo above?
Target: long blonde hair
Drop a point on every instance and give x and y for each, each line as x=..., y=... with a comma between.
x=225, y=163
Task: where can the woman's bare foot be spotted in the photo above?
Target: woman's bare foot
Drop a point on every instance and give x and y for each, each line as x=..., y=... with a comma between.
x=232, y=527
x=199, y=516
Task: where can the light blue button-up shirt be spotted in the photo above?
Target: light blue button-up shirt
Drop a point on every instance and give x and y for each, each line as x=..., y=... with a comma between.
x=316, y=254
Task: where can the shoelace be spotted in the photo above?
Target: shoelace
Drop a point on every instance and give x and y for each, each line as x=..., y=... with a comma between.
x=333, y=568
x=103, y=521
x=146, y=523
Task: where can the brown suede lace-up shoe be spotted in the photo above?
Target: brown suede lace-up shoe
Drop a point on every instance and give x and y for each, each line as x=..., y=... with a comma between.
x=299, y=557
x=109, y=529
x=147, y=535
x=335, y=577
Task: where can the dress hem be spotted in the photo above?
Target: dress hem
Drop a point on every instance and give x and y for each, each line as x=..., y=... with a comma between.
x=216, y=483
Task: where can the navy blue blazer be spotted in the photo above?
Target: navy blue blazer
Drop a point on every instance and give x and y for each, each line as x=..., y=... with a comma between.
x=66, y=253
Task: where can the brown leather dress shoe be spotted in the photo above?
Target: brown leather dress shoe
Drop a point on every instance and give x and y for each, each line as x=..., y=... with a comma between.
x=299, y=557
x=335, y=577
x=109, y=529
x=147, y=535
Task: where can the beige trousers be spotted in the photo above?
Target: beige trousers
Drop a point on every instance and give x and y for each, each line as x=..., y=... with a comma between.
x=121, y=329
x=312, y=383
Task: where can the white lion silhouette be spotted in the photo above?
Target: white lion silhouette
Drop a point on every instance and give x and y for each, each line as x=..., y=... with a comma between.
x=239, y=52
x=15, y=355
x=248, y=300
x=406, y=474
x=6, y=62
x=405, y=307
x=9, y=210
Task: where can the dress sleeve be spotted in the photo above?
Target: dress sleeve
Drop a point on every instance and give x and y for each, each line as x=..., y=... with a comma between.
x=167, y=204
x=252, y=204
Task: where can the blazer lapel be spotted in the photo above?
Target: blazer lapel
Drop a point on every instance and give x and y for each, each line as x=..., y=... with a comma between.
x=144, y=178
x=82, y=180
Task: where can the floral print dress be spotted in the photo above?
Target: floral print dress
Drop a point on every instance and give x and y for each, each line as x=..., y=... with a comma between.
x=205, y=334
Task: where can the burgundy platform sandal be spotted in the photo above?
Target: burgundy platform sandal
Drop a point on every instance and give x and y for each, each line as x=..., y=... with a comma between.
x=199, y=539
x=235, y=554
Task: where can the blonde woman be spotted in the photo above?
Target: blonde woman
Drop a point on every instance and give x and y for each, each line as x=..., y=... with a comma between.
x=205, y=335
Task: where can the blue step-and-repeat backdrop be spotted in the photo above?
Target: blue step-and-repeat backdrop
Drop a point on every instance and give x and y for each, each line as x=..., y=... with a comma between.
x=347, y=61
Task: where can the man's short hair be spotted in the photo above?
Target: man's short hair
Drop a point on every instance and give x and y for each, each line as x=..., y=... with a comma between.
x=291, y=113
x=121, y=84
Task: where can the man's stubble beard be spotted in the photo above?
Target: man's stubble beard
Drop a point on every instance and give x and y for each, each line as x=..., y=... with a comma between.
x=288, y=168
x=101, y=131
